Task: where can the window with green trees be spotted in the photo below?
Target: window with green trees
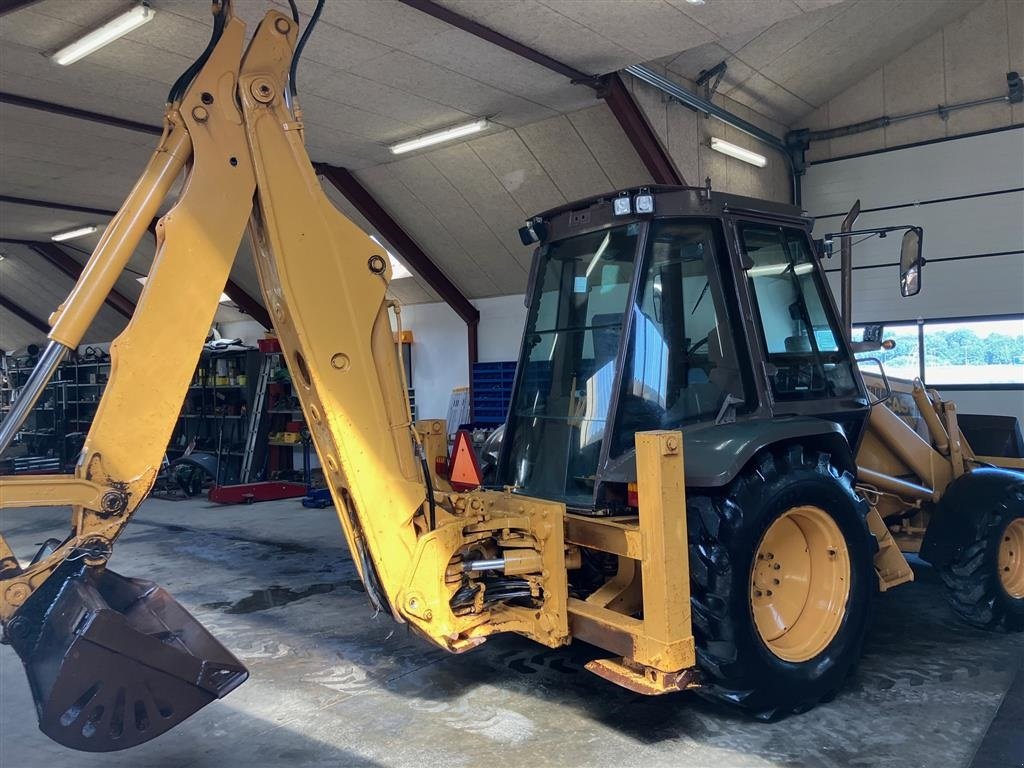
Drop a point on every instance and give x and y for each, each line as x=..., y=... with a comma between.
x=974, y=352
x=970, y=352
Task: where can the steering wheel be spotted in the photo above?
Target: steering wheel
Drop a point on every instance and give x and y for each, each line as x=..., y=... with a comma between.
x=702, y=343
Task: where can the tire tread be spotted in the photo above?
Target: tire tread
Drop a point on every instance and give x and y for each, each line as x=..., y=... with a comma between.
x=972, y=585
x=714, y=522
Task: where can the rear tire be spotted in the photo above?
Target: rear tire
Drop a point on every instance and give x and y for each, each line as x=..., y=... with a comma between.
x=986, y=579
x=771, y=671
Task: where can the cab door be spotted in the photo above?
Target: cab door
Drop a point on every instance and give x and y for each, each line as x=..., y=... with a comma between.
x=807, y=363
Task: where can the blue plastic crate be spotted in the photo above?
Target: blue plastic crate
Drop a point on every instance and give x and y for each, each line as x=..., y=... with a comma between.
x=492, y=391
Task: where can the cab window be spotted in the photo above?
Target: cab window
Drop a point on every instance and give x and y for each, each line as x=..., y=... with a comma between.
x=566, y=377
x=681, y=361
x=806, y=360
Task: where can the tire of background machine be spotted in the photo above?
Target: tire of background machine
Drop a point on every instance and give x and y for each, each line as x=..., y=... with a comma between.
x=975, y=591
x=736, y=666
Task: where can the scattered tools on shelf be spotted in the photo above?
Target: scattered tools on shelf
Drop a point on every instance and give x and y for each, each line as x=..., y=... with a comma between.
x=276, y=414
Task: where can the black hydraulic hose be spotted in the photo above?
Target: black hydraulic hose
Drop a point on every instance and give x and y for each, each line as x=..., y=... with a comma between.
x=293, y=73
x=295, y=11
x=432, y=519
x=186, y=77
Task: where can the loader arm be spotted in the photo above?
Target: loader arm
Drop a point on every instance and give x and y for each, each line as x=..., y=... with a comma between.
x=113, y=662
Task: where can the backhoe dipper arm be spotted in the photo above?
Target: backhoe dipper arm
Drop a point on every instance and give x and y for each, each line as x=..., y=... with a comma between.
x=323, y=279
x=324, y=282
x=153, y=359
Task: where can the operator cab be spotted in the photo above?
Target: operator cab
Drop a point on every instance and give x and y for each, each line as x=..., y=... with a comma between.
x=667, y=308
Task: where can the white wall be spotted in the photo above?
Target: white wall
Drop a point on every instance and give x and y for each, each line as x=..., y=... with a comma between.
x=967, y=59
x=971, y=226
x=960, y=168
x=440, y=358
x=439, y=347
x=501, y=327
x=249, y=331
x=1006, y=402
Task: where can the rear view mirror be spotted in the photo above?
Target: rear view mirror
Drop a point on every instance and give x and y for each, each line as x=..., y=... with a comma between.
x=911, y=262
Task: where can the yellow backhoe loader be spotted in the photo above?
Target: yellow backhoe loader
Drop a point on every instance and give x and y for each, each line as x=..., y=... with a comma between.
x=658, y=318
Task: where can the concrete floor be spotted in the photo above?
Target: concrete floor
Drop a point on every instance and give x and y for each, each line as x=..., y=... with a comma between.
x=333, y=686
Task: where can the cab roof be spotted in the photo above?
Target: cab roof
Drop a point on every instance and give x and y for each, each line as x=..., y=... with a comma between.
x=680, y=200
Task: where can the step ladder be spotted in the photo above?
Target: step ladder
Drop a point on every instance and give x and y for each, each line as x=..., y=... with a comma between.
x=458, y=409
x=255, y=416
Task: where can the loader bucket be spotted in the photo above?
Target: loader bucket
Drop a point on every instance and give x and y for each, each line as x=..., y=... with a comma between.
x=114, y=662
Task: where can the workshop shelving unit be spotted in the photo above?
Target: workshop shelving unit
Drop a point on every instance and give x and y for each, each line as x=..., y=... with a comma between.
x=215, y=412
x=6, y=391
x=55, y=429
x=284, y=423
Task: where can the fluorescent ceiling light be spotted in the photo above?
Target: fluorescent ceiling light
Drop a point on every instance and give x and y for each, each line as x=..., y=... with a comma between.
x=108, y=33
x=60, y=237
x=766, y=270
x=224, y=298
x=599, y=254
x=398, y=269
x=696, y=2
x=728, y=148
x=439, y=136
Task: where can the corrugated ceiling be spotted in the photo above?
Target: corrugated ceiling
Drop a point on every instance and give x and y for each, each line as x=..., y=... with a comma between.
x=377, y=71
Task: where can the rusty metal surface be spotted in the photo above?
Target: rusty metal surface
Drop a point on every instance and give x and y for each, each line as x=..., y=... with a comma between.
x=633, y=679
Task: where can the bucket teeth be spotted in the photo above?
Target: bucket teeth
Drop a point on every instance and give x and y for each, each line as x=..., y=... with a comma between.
x=114, y=662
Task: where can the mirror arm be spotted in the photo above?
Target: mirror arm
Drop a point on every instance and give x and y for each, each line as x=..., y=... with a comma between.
x=875, y=231
x=865, y=346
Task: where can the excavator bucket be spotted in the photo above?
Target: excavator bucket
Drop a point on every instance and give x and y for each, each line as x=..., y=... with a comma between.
x=114, y=662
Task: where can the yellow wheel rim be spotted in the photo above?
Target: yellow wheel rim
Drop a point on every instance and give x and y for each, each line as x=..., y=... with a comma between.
x=800, y=583
x=1011, y=558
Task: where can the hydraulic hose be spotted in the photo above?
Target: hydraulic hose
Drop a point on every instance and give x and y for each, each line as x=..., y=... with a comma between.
x=293, y=73
x=186, y=77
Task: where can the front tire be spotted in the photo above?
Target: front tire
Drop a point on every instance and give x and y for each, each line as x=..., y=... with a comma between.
x=986, y=578
x=782, y=583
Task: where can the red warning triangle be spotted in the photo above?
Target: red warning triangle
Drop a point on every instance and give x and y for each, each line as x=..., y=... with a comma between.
x=463, y=468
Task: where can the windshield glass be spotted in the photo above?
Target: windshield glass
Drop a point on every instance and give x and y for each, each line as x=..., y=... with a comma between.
x=566, y=375
x=807, y=360
x=681, y=362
